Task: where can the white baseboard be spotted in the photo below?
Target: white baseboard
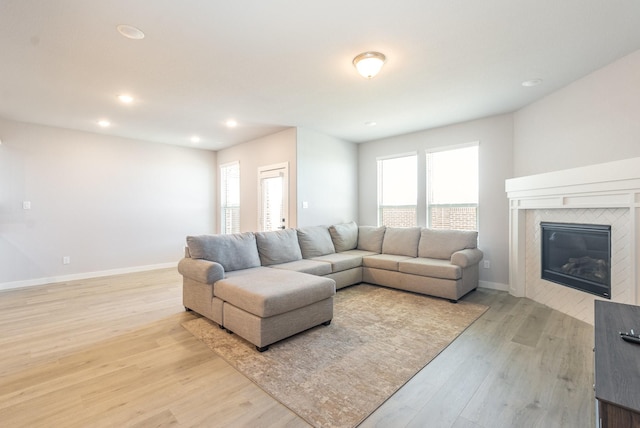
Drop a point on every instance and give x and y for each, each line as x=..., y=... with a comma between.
x=493, y=285
x=85, y=275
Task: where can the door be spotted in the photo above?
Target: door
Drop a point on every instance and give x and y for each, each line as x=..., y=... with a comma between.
x=273, y=197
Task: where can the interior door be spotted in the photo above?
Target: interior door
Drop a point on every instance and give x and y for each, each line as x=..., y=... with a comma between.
x=273, y=197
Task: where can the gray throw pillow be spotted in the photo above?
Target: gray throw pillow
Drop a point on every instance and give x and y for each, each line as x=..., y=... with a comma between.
x=370, y=238
x=233, y=252
x=315, y=241
x=401, y=241
x=344, y=236
x=441, y=244
x=280, y=246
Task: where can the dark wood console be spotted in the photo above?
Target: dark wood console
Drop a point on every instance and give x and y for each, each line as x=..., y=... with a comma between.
x=617, y=366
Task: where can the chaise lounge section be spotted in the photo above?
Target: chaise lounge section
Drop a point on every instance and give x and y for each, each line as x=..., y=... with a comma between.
x=267, y=286
x=223, y=280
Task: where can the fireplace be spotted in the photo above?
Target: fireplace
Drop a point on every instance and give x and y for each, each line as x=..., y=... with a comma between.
x=577, y=256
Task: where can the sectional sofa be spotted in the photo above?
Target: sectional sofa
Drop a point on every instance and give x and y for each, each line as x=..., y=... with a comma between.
x=266, y=286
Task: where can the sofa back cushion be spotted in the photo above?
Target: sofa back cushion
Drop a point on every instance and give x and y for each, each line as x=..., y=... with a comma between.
x=370, y=238
x=315, y=241
x=280, y=246
x=401, y=241
x=441, y=244
x=233, y=252
x=344, y=236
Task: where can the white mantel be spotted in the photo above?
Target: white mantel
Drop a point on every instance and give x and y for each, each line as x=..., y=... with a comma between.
x=609, y=188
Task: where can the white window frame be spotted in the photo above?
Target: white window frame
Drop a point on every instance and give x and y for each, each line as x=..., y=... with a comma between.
x=224, y=206
x=428, y=181
x=380, y=178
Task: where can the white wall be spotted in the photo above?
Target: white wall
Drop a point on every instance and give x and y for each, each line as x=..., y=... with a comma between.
x=595, y=119
x=327, y=179
x=495, y=135
x=272, y=149
x=108, y=203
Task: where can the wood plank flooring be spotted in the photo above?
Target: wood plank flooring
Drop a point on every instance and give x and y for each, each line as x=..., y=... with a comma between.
x=110, y=351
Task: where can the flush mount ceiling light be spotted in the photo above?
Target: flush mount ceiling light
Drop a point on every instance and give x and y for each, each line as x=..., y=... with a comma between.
x=104, y=123
x=195, y=139
x=231, y=123
x=369, y=64
x=130, y=32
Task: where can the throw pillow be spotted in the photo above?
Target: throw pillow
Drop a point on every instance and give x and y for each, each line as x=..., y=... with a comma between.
x=370, y=238
x=344, y=236
x=280, y=246
x=441, y=244
x=315, y=241
x=401, y=241
x=233, y=252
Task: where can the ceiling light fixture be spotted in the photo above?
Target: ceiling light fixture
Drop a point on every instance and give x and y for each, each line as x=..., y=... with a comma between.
x=370, y=123
x=104, y=123
x=369, y=64
x=231, y=123
x=531, y=82
x=130, y=32
x=195, y=139
x=125, y=98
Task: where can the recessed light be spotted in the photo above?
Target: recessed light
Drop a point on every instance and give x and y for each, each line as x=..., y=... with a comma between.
x=231, y=123
x=104, y=123
x=195, y=139
x=130, y=32
x=531, y=82
x=370, y=123
x=127, y=99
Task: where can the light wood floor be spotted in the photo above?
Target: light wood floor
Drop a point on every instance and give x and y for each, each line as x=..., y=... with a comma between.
x=111, y=352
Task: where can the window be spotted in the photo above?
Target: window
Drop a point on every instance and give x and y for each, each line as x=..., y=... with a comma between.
x=398, y=191
x=230, y=197
x=452, y=188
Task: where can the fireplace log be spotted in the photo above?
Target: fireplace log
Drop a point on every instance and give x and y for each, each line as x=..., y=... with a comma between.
x=586, y=267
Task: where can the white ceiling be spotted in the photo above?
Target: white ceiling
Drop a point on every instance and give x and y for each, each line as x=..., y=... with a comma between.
x=272, y=64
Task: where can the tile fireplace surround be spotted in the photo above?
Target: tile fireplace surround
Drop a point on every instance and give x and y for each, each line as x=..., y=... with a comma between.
x=607, y=193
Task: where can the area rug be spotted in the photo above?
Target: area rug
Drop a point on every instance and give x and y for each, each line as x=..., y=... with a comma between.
x=337, y=375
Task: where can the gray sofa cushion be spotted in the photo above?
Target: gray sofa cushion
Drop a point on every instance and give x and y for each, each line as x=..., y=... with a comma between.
x=266, y=292
x=402, y=241
x=312, y=267
x=383, y=261
x=342, y=261
x=441, y=244
x=435, y=268
x=344, y=236
x=233, y=252
x=370, y=238
x=280, y=246
x=315, y=241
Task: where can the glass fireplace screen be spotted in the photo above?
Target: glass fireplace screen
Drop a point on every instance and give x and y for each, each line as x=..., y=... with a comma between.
x=578, y=256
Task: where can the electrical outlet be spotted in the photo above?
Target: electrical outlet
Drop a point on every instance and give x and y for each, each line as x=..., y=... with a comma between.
x=26, y=205
x=66, y=260
x=487, y=264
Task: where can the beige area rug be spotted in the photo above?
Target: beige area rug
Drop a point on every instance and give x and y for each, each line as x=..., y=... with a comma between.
x=338, y=375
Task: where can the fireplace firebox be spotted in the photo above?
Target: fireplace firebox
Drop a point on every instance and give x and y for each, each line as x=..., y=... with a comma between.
x=577, y=256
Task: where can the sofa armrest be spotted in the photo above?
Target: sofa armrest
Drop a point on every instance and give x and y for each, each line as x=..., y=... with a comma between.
x=200, y=270
x=467, y=257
